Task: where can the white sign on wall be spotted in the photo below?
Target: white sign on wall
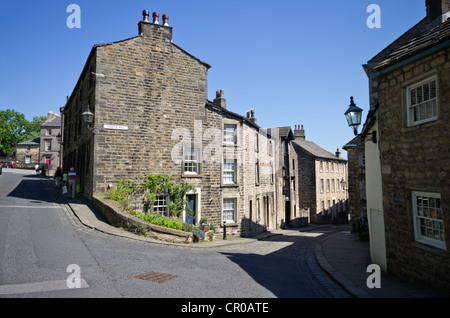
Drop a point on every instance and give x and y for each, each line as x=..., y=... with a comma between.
x=115, y=127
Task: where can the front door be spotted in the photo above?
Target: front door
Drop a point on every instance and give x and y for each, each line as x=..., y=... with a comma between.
x=287, y=211
x=191, y=209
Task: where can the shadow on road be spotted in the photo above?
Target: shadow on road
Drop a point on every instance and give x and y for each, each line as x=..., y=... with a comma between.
x=33, y=188
x=286, y=272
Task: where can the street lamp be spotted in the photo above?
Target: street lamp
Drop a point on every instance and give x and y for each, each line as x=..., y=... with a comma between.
x=59, y=139
x=88, y=118
x=353, y=116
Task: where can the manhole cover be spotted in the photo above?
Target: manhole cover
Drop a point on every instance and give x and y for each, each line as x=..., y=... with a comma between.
x=155, y=277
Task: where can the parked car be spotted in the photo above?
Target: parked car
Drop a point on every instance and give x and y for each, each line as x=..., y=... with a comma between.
x=1, y=169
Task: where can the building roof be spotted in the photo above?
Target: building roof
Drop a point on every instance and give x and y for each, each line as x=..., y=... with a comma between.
x=33, y=142
x=283, y=132
x=425, y=40
x=316, y=150
x=237, y=116
x=54, y=122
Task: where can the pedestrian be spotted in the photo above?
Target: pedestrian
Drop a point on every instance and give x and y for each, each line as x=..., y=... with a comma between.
x=58, y=177
x=36, y=168
x=64, y=179
x=72, y=181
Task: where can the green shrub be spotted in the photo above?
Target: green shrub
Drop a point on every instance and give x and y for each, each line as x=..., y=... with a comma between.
x=156, y=219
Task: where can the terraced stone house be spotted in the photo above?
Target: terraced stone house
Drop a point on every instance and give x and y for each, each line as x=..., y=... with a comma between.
x=152, y=116
x=410, y=110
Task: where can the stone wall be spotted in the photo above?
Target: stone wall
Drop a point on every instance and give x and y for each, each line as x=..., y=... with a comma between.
x=115, y=216
x=415, y=158
x=357, y=206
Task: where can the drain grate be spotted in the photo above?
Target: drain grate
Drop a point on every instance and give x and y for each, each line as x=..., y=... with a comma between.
x=155, y=277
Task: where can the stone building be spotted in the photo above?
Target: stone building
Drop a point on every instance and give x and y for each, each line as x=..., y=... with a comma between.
x=50, y=148
x=285, y=177
x=27, y=154
x=410, y=100
x=356, y=187
x=322, y=181
x=152, y=116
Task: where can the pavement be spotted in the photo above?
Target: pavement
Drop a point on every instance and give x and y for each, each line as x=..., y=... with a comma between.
x=340, y=254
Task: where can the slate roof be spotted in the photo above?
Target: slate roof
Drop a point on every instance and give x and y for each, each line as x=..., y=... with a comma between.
x=425, y=40
x=283, y=132
x=33, y=142
x=316, y=150
x=55, y=122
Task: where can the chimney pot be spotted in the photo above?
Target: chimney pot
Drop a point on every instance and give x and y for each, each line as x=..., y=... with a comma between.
x=145, y=15
x=165, y=20
x=155, y=17
x=220, y=99
x=299, y=132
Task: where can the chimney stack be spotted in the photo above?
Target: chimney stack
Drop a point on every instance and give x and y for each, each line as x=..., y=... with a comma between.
x=338, y=153
x=220, y=99
x=437, y=9
x=155, y=29
x=299, y=132
x=252, y=115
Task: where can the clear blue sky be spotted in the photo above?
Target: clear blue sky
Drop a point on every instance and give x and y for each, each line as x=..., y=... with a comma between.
x=293, y=61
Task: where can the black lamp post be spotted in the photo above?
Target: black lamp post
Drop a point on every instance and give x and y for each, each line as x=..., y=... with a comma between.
x=353, y=116
x=59, y=139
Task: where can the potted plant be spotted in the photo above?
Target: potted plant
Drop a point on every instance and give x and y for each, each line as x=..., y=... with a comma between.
x=204, y=225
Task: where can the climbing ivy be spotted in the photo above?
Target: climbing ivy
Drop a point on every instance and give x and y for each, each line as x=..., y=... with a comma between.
x=150, y=188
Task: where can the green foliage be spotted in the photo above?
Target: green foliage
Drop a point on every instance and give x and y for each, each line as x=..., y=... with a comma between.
x=126, y=191
x=14, y=128
x=156, y=219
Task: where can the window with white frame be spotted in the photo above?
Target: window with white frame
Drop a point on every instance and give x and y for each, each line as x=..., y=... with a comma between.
x=328, y=185
x=422, y=102
x=229, y=133
x=229, y=171
x=321, y=185
x=428, y=218
x=191, y=159
x=48, y=132
x=27, y=160
x=160, y=205
x=48, y=145
x=229, y=210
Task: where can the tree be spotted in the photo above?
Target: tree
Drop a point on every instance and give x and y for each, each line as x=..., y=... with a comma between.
x=14, y=128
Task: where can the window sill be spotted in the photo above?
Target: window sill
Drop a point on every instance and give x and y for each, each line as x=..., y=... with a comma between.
x=229, y=185
x=424, y=124
x=192, y=175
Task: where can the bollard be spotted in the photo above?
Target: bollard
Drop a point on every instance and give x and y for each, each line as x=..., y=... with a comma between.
x=224, y=230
